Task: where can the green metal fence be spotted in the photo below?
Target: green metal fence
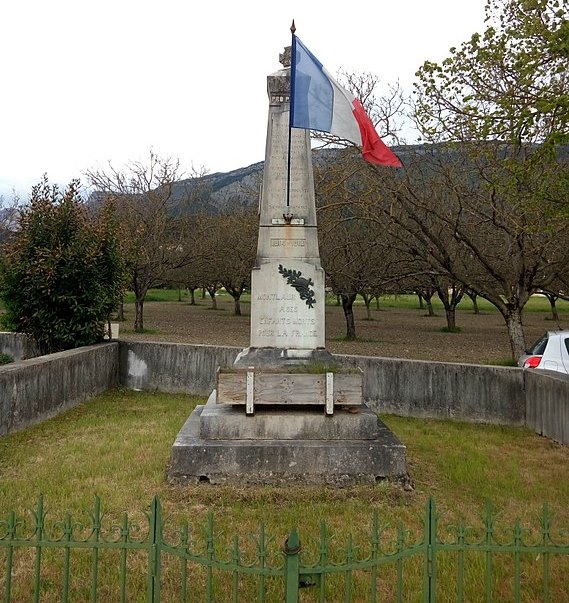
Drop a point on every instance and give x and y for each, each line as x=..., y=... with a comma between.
x=108, y=558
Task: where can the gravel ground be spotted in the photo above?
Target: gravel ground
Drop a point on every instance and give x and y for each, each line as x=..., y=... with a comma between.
x=398, y=333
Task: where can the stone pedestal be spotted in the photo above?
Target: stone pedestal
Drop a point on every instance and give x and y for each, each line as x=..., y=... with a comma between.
x=219, y=444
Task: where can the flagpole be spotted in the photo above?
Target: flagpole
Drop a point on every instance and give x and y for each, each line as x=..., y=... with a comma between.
x=291, y=113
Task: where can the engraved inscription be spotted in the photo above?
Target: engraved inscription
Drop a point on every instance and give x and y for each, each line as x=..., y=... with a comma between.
x=295, y=333
x=284, y=321
x=300, y=189
x=288, y=243
x=275, y=296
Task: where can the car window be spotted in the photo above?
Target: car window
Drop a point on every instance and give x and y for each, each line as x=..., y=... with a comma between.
x=567, y=343
x=539, y=346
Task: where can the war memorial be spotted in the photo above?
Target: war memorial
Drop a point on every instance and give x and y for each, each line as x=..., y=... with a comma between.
x=285, y=412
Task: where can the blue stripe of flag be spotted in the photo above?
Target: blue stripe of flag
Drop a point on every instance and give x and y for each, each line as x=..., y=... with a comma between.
x=312, y=92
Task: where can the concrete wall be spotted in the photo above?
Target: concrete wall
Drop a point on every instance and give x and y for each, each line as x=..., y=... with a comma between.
x=412, y=388
x=42, y=387
x=17, y=345
x=36, y=389
x=173, y=367
x=547, y=404
x=466, y=392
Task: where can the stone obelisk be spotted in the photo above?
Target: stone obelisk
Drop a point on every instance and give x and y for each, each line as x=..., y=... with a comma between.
x=268, y=422
x=287, y=282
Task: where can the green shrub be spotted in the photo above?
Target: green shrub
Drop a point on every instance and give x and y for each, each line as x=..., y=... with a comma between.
x=6, y=359
x=62, y=275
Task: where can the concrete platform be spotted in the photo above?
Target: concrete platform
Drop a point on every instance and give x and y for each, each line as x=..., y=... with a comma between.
x=279, y=357
x=224, y=422
x=221, y=445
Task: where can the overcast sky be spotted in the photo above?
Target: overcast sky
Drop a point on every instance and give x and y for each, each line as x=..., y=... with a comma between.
x=88, y=82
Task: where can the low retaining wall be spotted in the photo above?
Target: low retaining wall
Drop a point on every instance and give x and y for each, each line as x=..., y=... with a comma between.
x=173, y=367
x=413, y=388
x=36, y=389
x=465, y=392
x=547, y=403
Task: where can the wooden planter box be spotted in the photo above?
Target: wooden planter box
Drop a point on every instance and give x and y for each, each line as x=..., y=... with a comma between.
x=252, y=387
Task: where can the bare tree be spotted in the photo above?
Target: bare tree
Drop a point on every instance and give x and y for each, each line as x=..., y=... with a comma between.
x=154, y=214
x=194, y=273
x=237, y=247
x=9, y=209
x=501, y=98
x=459, y=221
x=358, y=254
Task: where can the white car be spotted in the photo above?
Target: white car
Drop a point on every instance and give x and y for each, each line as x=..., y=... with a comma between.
x=550, y=352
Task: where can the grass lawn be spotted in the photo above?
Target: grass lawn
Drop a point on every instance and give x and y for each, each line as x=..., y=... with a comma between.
x=537, y=303
x=118, y=446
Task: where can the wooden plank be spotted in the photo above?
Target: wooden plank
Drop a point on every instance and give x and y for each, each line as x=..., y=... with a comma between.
x=283, y=388
x=232, y=388
x=250, y=402
x=348, y=389
x=329, y=393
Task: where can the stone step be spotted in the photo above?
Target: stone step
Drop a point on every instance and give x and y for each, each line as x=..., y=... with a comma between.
x=309, y=461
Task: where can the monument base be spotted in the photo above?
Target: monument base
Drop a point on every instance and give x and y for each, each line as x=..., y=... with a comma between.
x=218, y=444
x=278, y=357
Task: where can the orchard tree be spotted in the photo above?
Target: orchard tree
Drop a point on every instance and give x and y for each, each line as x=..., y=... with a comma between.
x=502, y=100
x=236, y=243
x=158, y=233
x=358, y=254
x=63, y=272
x=193, y=274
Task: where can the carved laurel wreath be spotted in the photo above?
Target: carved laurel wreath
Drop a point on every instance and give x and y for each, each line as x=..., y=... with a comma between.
x=295, y=279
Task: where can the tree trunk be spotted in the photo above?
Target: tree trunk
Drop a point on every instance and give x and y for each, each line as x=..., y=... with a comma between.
x=139, y=313
x=347, y=304
x=237, y=305
x=450, y=298
x=120, y=312
x=179, y=294
x=474, y=299
x=427, y=295
x=377, y=302
x=420, y=297
x=513, y=318
x=367, y=302
x=203, y=292
x=451, y=318
x=338, y=300
x=553, y=305
x=213, y=300
x=192, y=291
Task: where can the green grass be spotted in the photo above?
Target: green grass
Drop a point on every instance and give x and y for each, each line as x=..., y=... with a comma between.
x=503, y=362
x=118, y=446
x=450, y=330
x=158, y=295
x=537, y=303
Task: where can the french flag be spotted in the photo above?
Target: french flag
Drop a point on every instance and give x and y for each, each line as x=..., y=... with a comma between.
x=318, y=102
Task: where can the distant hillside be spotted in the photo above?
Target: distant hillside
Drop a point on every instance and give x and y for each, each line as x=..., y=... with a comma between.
x=225, y=191
x=222, y=190
x=240, y=187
